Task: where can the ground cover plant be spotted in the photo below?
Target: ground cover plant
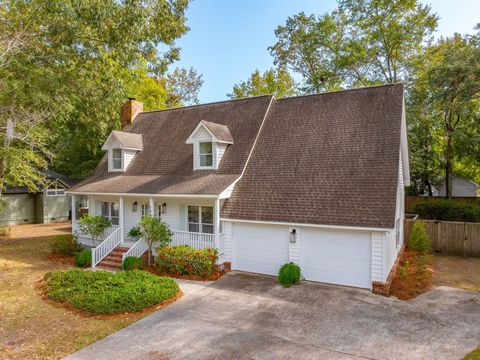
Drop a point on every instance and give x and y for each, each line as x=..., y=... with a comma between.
x=103, y=292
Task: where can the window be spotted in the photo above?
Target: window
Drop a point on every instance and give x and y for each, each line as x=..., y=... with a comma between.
x=205, y=154
x=56, y=189
x=117, y=159
x=200, y=219
x=145, y=209
x=110, y=211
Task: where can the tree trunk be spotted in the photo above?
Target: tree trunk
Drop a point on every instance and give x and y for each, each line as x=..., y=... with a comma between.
x=448, y=167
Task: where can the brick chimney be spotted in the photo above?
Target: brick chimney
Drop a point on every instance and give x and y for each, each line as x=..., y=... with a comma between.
x=129, y=111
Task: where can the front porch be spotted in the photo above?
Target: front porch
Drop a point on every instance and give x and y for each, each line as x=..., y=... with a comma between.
x=194, y=222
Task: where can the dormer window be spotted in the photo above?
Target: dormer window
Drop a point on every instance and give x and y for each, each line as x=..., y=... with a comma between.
x=117, y=159
x=206, y=154
x=210, y=141
x=121, y=148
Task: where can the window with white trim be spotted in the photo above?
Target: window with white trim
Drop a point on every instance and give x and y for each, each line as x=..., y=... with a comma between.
x=117, y=159
x=111, y=211
x=200, y=219
x=56, y=189
x=205, y=154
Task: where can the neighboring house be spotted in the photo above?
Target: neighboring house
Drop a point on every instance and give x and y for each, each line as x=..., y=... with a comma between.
x=50, y=204
x=317, y=180
x=461, y=187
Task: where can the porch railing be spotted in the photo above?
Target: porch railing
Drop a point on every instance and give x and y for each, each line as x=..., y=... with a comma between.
x=107, y=245
x=138, y=249
x=193, y=239
x=86, y=237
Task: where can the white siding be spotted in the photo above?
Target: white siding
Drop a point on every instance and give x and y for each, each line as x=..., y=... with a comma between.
x=128, y=156
x=390, y=246
x=227, y=240
x=377, y=256
x=294, y=248
x=220, y=150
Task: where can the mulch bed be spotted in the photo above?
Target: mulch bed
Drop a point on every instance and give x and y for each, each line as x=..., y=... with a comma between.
x=119, y=316
x=219, y=272
x=416, y=281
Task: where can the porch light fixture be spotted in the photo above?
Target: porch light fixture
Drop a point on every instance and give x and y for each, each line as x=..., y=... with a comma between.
x=134, y=206
x=293, y=236
x=163, y=208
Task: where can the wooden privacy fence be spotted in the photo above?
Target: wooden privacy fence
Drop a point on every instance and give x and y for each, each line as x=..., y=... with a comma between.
x=450, y=237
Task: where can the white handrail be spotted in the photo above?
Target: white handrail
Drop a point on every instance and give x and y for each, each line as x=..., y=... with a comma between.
x=110, y=243
x=138, y=249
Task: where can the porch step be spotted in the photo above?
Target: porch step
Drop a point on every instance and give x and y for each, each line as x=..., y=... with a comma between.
x=113, y=261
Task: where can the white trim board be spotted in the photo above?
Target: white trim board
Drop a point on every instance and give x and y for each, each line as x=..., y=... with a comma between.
x=309, y=225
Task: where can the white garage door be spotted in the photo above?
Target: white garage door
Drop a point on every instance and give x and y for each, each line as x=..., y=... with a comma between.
x=336, y=257
x=259, y=248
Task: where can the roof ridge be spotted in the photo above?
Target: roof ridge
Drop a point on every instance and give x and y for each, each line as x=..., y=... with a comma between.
x=342, y=90
x=207, y=104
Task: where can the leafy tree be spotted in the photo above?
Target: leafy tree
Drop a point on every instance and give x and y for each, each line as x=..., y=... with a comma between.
x=183, y=87
x=154, y=231
x=80, y=60
x=449, y=78
x=273, y=81
x=94, y=225
x=359, y=43
x=419, y=239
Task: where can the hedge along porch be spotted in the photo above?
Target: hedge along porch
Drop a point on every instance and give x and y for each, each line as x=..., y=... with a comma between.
x=194, y=221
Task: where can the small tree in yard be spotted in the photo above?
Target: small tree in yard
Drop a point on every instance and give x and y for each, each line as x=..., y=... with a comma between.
x=94, y=225
x=154, y=231
x=419, y=239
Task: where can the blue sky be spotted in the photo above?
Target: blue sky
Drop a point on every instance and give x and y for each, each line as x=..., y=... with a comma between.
x=228, y=39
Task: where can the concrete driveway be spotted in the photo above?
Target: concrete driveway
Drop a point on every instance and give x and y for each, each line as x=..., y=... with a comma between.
x=245, y=316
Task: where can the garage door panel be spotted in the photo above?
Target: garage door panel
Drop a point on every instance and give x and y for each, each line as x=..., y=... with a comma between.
x=259, y=248
x=337, y=257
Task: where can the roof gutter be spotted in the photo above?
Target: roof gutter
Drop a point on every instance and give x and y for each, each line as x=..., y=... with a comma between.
x=200, y=196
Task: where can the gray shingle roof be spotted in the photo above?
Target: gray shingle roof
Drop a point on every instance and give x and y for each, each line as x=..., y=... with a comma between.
x=325, y=159
x=165, y=165
x=221, y=132
x=129, y=140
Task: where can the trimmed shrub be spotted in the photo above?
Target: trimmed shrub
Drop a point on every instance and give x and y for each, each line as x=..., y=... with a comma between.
x=448, y=210
x=103, y=292
x=132, y=263
x=289, y=274
x=83, y=258
x=185, y=260
x=419, y=239
x=5, y=231
x=66, y=245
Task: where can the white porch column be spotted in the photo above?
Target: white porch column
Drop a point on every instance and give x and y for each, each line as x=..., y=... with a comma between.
x=74, y=215
x=121, y=215
x=216, y=222
x=152, y=206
